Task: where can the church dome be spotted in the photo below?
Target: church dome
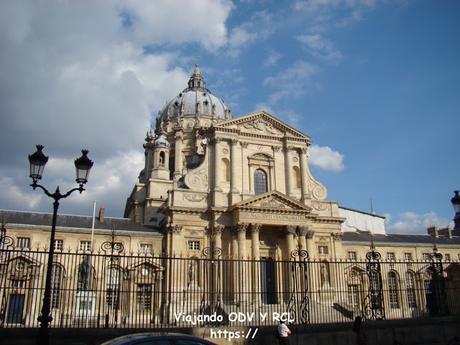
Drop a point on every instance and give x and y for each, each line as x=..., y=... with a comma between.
x=194, y=101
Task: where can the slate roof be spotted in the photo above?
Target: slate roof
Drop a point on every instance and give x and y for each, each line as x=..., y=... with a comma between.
x=364, y=236
x=73, y=221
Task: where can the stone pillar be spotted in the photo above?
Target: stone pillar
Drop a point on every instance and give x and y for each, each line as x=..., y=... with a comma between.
x=255, y=263
x=311, y=244
x=217, y=167
x=233, y=166
x=241, y=229
x=302, y=237
x=288, y=169
x=235, y=251
x=255, y=241
x=290, y=246
x=178, y=156
x=244, y=163
x=243, y=266
x=303, y=173
x=175, y=239
x=218, y=229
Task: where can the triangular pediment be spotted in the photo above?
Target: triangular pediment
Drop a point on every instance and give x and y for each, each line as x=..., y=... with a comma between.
x=262, y=123
x=272, y=200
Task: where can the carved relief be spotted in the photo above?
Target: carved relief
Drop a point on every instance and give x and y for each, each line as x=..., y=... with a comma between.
x=260, y=126
x=271, y=203
x=194, y=197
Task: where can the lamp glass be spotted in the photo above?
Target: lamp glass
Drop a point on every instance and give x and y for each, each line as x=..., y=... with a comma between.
x=37, y=162
x=82, y=167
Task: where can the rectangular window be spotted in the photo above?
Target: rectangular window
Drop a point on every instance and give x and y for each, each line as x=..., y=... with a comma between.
x=407, y=256
x=23, y=242
x=426, y=256
x=18, y=284
x=144, y=296
x=353, y=295
x=58, y=245
x=146, y=248
x=447, y=257
x=323, y=250
x=85, y=246
x=391, y=256
x=193, y=245
x=352, y=256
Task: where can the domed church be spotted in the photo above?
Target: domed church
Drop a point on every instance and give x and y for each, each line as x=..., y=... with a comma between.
x=240, y=184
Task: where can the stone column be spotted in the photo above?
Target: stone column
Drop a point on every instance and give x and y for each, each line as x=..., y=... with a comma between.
x=303, y=173
x=243, y=266
x=218, y=229
x=176, y=247
x=311, y=244
x=244, y=163
x=217, y=165
x=255, y=263
x=255, y=241
x=241, y=229
x=288, y=169
x=234, y=244
x=302, y=237
x=233, y=166
x=178, y=156
x=290, y=246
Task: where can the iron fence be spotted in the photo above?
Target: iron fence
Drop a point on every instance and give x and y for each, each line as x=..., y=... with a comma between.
x=113, y=288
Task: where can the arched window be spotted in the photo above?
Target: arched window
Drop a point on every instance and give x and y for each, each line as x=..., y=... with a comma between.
x=393, y=290
x=260, y=182
x=297, y=180
x=161, y=161
x=56, y=286
x=410, y=289
x=113, y=287
x=225, y=172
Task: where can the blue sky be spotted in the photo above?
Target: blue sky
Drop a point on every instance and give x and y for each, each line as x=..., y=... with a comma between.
x=374, y=83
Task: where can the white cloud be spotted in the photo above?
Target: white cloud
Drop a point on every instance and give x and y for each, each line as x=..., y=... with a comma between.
x=291, y=82
x=325, y=158
x=413, y=223
x=271, y=59
x=320, y=47
x=83, y=75
x=13, y=196
x=313, y=5
x=259, y=27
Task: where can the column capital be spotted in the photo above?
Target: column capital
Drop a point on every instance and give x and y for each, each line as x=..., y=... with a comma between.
x=175, y=229
x=218, y=229
x=234, y=142
x=242, y=227
x=310, y=234
x=244, y=145
x=255, y=228
x=303, y=230
x=291, y=229
x=302, y=150
x=276, y=148
x=337, y=236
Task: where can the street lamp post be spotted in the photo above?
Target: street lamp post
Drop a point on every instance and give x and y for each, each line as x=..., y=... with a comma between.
x=37, y=162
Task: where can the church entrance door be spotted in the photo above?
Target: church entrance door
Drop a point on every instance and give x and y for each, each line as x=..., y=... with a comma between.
x=268, y=281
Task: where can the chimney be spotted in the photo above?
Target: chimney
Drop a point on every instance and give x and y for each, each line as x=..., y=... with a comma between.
x=433, y=231
x=101, y=215
x=445, y=232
